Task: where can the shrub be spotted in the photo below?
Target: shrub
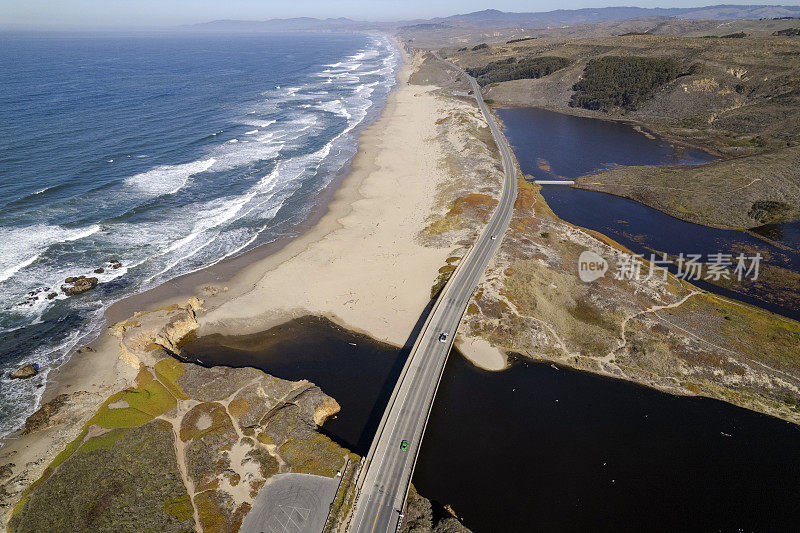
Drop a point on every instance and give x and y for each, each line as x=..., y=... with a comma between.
x=766, y=211
x=511, y=69
x=788, y=32
x=480, y=47
x=739, y=35
x=625, y=82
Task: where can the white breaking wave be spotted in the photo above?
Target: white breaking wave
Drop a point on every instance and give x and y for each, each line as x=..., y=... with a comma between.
x=184, y=238
x=168, y=179
x=21, y=247
x=336, y=107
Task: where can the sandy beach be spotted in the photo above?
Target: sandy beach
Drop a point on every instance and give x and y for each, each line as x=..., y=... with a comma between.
x=362, y=264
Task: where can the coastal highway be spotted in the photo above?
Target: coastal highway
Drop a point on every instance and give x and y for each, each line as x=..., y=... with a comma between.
x=385, y=478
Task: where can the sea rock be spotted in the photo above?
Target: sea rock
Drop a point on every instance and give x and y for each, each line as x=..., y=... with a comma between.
x=99, y=270
x=80, y=285
x=27, y=371
x=115, y=263
x=52, y=295
x=43, y=417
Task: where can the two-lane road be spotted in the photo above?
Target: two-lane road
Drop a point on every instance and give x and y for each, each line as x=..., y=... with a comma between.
x=388, y=469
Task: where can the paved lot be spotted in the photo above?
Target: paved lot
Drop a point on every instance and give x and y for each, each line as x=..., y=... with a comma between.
x=292, y=503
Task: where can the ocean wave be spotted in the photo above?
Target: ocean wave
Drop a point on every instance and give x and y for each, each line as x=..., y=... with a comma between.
x=299, y=150
x=19, y=398
x=336, y=107
x=21, y=247
x=168, y=179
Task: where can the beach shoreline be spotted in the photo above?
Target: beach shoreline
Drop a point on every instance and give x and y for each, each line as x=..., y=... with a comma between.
x=358, y=261
x=223, y=281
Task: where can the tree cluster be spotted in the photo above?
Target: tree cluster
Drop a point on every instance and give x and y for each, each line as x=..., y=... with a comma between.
x=512, y=69
x=625, y=82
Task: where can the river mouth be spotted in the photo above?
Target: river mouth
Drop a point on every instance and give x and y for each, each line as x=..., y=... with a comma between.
x=540, y=448
x=550, y=145
x=356, y=370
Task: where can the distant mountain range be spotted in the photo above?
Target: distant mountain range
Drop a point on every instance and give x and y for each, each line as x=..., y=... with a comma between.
x=573, y=16
x=492, y=18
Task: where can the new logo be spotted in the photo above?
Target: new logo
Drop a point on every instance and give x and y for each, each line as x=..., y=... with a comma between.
x=591, y=266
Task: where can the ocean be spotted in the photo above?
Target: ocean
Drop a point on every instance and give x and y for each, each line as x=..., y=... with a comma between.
x=167, y=153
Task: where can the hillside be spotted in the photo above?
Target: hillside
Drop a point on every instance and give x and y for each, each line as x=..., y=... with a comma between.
x=494, y=19
x=738, y=98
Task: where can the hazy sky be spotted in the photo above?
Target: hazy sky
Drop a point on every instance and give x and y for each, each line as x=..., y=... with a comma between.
x=155, y=13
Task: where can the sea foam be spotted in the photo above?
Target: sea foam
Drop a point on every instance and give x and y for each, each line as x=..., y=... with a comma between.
x=168, y=179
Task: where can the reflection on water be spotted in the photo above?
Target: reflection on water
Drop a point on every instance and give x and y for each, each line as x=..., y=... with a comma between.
x=574, y=146
x=788, y=233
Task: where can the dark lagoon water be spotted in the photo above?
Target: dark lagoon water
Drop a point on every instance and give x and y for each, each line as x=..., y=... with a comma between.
x=360, y=376
x=576, y=146
x=166, y=152
x=539, y=449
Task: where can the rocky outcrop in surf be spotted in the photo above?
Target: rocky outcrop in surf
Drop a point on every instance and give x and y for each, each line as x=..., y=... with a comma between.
x=80, y=285
x=27, y=371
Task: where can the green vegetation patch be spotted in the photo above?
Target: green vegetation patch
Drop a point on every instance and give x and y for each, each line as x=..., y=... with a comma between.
x=238, y=407
x=444, y=275
x=345, y=495
x=512, y=69
x=316, y=454
x=105, y=441
x=217, y=512
x=205, y=419
x=127, y=486
x=625, y=82
x=135, y=406
x=755, y=331
x=68, y=450
x=169, y=371
x=766, y=211
x=180, y=507
x=739, y=35
x=788, y=32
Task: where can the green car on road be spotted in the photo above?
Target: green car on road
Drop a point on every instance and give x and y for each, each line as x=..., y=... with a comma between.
x=404, y=445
